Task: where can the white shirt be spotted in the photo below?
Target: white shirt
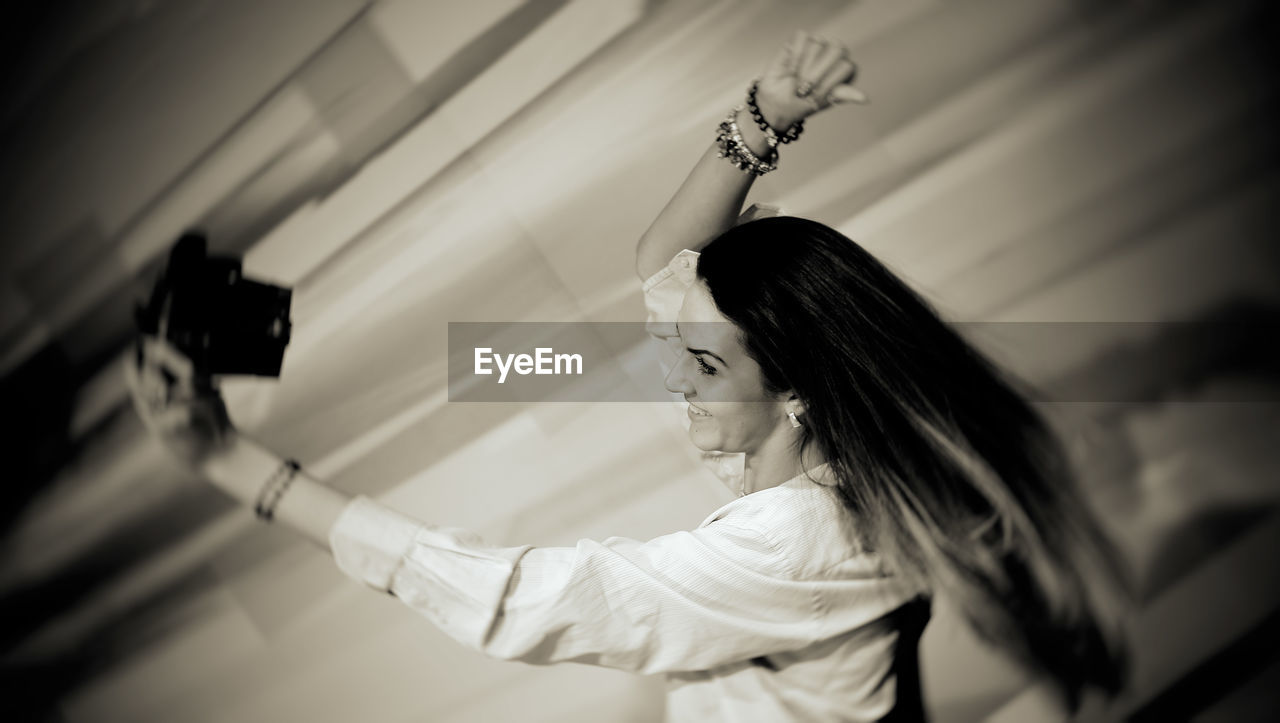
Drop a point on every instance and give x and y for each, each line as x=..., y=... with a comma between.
x=767, y=611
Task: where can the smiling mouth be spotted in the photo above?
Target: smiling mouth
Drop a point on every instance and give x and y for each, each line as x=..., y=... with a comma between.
x=695, y=412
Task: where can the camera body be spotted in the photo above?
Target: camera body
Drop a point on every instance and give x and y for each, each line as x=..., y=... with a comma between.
x=225, y=323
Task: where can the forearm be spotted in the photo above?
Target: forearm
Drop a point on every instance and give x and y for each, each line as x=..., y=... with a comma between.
x=706, y=204
x=307, y=506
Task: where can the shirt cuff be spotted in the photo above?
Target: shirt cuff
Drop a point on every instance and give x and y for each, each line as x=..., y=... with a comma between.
x=683, y=266
x=665, y=290
x=369, y=541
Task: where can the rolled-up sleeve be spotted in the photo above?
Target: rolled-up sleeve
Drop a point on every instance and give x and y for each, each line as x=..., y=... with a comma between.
x=692, y=600
x=447, y=574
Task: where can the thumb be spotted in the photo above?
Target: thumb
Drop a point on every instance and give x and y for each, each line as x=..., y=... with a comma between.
x=133, y=382
x=848, y=94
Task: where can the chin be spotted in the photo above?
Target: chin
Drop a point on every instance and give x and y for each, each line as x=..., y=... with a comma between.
x=702, y=442
x=700, y=445
x=709, y=444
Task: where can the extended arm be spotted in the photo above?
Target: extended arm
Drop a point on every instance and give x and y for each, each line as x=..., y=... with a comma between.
x=723, y=593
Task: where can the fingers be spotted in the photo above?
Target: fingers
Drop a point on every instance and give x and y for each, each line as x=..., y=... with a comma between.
x=813, y=47
x=825, y=74
x=163, y=376
x=830, y=55
x=169, y=360
x=841, y=72
x=795, y=47
x=848, y=94
x=808, y=74
x=153, y=384
x=188, y=424
x=150, y=392
x=140, y=393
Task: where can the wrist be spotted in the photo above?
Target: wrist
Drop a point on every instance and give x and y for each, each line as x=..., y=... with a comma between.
x=773, y=130
x=777, y=117
x=752, y=135
x=239, y=468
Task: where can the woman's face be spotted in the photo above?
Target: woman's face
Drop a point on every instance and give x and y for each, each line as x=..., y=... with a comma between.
x=729, y=407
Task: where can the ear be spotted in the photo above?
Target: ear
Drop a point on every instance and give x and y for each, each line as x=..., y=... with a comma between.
x=794, y=405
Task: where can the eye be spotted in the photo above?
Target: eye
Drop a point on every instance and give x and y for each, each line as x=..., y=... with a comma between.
x=704, y=367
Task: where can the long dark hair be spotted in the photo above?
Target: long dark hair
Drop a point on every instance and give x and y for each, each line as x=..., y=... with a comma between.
x=956, y=480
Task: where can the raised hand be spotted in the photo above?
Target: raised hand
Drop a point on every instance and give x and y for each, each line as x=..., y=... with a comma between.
x=807, y=75
x=185, y=413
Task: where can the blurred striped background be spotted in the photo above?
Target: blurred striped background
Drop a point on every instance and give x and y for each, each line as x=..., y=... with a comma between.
x=403, y=164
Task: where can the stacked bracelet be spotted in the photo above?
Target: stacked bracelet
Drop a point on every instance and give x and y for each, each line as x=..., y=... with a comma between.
x=792, y=133
x=729, y=138
x=274, y=488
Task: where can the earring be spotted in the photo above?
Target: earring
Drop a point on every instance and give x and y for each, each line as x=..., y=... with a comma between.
x=794, y=422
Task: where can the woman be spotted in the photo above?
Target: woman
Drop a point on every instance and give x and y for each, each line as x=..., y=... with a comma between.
x=883, y=461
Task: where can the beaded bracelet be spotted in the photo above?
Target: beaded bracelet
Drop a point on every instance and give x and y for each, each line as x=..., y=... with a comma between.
x=792, y=133
x=732, y=147
x=274, y=488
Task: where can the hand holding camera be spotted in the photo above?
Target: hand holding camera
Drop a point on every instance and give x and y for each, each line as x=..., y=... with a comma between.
x=184, y=411
x=204, y=319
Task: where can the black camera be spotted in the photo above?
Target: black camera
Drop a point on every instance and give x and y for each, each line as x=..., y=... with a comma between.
x=222, y=321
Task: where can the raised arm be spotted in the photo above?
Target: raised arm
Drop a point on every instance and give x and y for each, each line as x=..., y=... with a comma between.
x=807, y=75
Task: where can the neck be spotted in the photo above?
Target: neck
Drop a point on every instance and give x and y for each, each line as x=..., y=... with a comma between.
x=777, y=460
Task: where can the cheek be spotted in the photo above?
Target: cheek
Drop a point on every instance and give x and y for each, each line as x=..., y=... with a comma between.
x=740, y=418
x=730, y=397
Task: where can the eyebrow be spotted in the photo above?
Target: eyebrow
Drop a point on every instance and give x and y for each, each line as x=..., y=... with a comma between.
x=711, y=354
x=708, y=353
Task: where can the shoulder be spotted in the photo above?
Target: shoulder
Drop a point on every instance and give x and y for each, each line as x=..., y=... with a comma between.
x=803, y=520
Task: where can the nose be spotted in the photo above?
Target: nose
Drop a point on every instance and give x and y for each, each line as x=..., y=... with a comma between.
x=677, y=380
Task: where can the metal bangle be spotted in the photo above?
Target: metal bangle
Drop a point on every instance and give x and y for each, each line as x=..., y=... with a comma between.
x=274, y=488
x=732, y=147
